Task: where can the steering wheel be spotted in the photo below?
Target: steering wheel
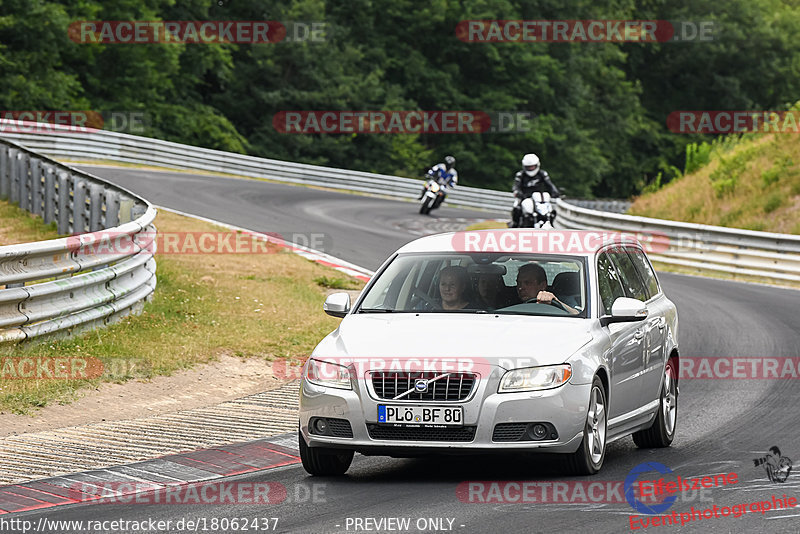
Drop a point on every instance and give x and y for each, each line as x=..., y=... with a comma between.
x=553, y=302
x=424, y=296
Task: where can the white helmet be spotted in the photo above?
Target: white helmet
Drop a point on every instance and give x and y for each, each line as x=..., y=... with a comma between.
x=530, y=164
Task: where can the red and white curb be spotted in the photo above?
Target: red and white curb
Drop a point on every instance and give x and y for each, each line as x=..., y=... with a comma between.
x=180, y=477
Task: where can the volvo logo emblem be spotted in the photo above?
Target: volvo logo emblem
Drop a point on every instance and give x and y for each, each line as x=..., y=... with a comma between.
x=421, y=385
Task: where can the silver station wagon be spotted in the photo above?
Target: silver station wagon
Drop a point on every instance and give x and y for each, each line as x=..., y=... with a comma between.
x=496, y=341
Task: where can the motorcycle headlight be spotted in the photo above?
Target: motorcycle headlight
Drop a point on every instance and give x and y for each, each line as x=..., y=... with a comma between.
x=535, y=378
x=327, y=374
x=435, y=187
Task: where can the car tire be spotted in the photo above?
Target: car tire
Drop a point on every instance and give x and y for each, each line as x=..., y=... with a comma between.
x=588, y=459
x=321, y=461
x=662, y=431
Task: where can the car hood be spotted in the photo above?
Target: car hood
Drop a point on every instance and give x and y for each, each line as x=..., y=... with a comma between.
x=507, y=341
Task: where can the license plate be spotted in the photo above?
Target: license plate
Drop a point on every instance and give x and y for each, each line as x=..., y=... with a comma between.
x=421, y=415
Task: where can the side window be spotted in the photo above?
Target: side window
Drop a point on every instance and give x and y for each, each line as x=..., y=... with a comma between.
x=608, y=282
x=634, y=288
x=645, y=271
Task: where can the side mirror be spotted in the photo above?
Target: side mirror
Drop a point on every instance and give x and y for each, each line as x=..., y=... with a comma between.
x=625, y=310
x=337, y=304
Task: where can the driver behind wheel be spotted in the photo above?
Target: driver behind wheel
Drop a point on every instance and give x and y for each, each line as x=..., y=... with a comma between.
x=532, y=286
x=454, y=291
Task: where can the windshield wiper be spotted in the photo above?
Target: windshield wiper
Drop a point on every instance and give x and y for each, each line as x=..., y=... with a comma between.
x=375, y=310
x=469, y=310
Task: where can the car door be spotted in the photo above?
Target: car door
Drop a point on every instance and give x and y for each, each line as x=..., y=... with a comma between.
x=626, y=348
x=642, y=330
x=655, y=353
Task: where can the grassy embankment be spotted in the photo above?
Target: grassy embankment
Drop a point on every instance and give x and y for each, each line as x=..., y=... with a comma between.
x=248, y=305
x=753, y=183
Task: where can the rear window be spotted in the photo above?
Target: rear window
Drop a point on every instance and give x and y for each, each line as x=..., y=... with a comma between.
x=645, y=271
x=631, y=281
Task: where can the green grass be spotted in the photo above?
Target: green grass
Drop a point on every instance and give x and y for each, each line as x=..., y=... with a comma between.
x=19, y=226
x=251, y=305
x=773, y=201
x=337, y=283
x=752, y=182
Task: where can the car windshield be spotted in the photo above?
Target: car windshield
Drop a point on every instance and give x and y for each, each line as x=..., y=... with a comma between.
x=480, y=283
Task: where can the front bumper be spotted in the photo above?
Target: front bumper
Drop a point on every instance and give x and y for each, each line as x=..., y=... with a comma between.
x=564, y=407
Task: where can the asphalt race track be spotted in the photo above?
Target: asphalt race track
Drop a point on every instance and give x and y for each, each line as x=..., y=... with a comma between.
x=723, y=424
x=360, y=229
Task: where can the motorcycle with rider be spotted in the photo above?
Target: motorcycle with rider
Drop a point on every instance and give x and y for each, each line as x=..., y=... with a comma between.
x=441, y=178
x=533, y=191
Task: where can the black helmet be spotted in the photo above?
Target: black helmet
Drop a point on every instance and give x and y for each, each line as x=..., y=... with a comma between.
x=449, y=161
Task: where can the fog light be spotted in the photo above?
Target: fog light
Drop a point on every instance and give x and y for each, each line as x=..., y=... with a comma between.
x=320, y=426
x=538, y=431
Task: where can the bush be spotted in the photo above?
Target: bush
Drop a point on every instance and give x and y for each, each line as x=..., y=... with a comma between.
x=726, y=175
x=773, y=202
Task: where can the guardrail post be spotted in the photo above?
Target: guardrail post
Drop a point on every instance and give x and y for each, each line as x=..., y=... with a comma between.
x=4, y=150
x=13, y=176
x=112, y=208
x=80, y=219
x=125, y=213
x=137, y=210
x=24, y=181
x=62, y=212
x=95, y=207
x=49, y=193
x=36, y=187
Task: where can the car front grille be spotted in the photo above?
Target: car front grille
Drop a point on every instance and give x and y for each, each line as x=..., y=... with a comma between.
x=399, y=433
x=453, y=387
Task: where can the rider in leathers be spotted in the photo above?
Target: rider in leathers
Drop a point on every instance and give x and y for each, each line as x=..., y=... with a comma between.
x=531, y=179
x=445, y=175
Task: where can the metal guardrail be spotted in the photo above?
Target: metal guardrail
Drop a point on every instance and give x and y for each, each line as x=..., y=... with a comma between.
x=692, y=246
x=68, y=143
x=78, y=282
x=612, y=205
x=698, y=247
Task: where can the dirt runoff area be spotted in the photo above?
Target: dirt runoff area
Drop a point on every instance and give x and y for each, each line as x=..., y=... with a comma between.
x=226, y=379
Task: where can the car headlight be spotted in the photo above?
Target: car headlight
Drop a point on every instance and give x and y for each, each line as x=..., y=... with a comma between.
x=535, y=378
x=327, y=374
